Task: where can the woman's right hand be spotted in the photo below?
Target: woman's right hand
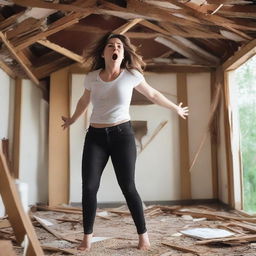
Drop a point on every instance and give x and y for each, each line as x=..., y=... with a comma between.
x=67, y=122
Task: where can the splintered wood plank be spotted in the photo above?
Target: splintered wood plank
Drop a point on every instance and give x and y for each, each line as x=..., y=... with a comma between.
x=16, y=56
x=185, y=177
x=54, y=249
x=62, y=50
x=181, y=248
x=241, y=239
x=6, y=248
x=19, y=220
x=123, y=29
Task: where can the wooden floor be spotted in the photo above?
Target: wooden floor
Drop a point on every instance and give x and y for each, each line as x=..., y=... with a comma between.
x=64, y=231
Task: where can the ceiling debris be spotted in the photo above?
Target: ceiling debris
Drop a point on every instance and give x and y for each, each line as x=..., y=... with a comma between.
x=194, y=33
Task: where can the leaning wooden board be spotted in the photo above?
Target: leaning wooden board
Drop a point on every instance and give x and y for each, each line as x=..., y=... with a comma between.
x=19, y=220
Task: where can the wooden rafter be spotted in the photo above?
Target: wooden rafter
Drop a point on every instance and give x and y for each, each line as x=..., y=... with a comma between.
x=142, y=35
x=26, y=26
x=190, y=32
x=53, y=28
x=124, y=28
x=159, y=13
x=202, y=53
x=87, y=29
x=61, y=50
x=214, y=19
x=16, y=56
x=182, y=49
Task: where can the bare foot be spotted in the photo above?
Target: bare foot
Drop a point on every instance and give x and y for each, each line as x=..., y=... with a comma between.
x=144, y=243
x=86, y=243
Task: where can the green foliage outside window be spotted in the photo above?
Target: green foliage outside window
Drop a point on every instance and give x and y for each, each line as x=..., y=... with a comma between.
x=246, y=81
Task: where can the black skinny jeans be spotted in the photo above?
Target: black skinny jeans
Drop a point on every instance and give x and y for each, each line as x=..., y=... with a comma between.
x=118, y=143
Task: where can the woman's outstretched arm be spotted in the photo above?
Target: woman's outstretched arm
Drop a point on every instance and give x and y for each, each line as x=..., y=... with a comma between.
x=81, y=106
x=159, y=99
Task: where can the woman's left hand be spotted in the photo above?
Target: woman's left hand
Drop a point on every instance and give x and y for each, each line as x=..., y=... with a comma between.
x=182, y=111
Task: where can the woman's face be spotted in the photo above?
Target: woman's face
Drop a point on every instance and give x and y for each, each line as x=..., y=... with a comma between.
x=114, y=51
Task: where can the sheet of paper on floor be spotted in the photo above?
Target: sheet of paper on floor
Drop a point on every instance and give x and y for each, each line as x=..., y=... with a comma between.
x=207, y=233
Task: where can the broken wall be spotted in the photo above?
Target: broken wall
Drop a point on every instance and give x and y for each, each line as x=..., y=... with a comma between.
x=6, y=114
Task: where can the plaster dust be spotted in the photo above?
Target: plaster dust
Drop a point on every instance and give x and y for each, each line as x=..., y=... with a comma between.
x=162, y=227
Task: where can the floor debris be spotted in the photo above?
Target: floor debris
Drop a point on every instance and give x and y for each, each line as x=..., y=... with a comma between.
x=60, y=231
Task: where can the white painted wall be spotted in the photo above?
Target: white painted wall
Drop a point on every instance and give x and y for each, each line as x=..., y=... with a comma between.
x=6, y=114
x=157, y=168
x=33, y=144
x=199, y=100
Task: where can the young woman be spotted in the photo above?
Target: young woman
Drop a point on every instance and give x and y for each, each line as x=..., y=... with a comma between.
x=116, y=70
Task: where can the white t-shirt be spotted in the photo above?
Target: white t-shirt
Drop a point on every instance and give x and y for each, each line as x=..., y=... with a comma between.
x=111, y=100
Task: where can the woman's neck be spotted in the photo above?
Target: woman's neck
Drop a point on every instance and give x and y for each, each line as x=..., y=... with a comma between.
x=110, y=74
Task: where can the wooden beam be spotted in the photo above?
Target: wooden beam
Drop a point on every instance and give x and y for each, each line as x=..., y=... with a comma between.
x=227, y=130
x=240, y=57
x=185, y=177
x=17, y=127
x=62, y=50
x=123, y=29
x=214, y=131
x=19, y=220
x=142, y=35
x=16, y=56
x=58, y=171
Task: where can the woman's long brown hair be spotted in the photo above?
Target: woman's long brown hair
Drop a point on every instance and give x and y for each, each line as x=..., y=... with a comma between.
x=131, y=60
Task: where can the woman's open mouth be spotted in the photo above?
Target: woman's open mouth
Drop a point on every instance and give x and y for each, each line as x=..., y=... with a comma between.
x=114, y=56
